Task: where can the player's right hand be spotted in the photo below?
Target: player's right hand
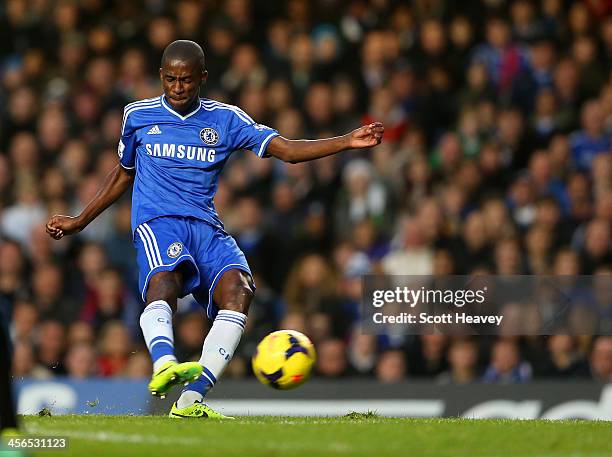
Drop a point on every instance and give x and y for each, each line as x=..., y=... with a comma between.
x=59, y=225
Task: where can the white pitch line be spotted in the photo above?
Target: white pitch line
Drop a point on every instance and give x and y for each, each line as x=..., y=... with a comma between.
x=114, y=437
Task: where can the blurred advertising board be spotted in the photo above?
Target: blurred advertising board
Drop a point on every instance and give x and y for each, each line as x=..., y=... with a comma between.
x=550, y=400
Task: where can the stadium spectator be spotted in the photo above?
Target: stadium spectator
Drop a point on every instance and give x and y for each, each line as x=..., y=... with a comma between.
x=601, y=359
x=80, y=332
x=138, y=366
x=565, y=360
x=80, y=361
x=429, y=357
x=50, y=346
x=320, y=327
x=506, y=365
x=331, y=359
x=462, y=361
x=25, y=319
x=114, y=349
x=362, y=354
x=24, y=363
x=596, y=250
x=48, y=294
x=592, y=139
x=190, y=333
x=391, y=366
x=311, y=285
x=104, y=303
x=412, y=255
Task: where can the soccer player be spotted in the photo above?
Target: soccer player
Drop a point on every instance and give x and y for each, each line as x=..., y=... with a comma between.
x=173, y=148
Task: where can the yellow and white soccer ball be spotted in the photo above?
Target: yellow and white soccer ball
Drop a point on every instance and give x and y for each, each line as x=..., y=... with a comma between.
x=284, y=359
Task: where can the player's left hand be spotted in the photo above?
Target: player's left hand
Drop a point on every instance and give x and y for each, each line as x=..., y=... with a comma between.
x=366, y=136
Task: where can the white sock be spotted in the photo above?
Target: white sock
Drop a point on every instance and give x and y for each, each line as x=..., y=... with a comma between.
x=217, y=351
x=188, y=397
x=156, y=325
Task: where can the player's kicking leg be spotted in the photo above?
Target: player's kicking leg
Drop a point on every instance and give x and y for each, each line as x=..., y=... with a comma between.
x=233, y=295
x=156, y=323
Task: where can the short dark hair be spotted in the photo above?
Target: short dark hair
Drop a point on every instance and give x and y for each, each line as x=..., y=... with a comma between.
x=184, y=50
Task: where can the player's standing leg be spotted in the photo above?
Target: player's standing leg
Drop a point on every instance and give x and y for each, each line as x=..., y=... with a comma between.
x=233, y=296
x=156, y=324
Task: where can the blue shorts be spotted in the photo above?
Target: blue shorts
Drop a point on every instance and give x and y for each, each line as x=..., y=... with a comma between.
x=164, y=243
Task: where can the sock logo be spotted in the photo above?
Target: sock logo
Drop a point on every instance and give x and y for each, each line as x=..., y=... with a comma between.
x=224, y=354
x=163, y=320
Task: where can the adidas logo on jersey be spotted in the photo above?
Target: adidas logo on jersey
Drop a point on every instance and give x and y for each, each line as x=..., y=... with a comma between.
x=155, y=130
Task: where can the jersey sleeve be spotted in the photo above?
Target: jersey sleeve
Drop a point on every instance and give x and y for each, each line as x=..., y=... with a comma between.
x=247, y=134
x=127, y=143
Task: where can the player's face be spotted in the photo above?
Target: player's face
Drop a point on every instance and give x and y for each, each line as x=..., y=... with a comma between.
x=181, y=81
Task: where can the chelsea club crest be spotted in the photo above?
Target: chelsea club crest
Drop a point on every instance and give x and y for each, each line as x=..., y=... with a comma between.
x=174, y=250
x=209, y=136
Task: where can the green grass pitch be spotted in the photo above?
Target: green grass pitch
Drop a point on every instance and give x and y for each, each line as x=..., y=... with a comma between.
x=353, y=435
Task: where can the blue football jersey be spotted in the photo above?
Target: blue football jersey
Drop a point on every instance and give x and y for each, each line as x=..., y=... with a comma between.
x=178, y=158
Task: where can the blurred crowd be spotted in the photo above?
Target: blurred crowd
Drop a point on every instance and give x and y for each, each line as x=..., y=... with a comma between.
x=496, y=158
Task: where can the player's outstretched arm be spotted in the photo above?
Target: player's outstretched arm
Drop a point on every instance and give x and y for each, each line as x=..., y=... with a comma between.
x=295, y=151
x=116, y=183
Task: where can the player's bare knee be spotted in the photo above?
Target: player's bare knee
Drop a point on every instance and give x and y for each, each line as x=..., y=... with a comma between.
x=239, y=299
x=235, y=291
x=165, y=285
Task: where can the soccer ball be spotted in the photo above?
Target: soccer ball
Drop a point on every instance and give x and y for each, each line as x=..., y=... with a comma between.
x=283, y=359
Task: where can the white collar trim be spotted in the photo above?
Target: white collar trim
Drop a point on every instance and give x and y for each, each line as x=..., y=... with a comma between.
x=165, y=105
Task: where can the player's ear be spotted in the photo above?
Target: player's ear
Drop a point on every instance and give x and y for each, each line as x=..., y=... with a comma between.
x=204, y=76
x=161, y=74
